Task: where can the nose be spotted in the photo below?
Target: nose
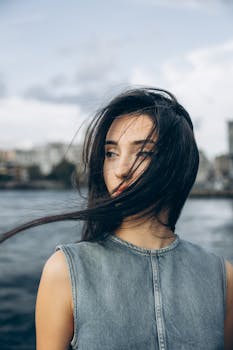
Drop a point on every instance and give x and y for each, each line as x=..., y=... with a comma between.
x=123, y=169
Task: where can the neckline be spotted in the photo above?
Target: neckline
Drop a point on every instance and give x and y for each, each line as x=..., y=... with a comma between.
x=145, y=251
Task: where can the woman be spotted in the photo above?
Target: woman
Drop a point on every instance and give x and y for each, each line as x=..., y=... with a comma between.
x=131, y=282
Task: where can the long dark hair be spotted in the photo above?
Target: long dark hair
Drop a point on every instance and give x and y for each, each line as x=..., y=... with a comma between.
x=164, y=185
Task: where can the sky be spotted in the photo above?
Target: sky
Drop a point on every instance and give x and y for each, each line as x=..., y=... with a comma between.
x=62, y=60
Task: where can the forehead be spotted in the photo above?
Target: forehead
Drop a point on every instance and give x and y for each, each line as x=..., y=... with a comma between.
x=130, y=127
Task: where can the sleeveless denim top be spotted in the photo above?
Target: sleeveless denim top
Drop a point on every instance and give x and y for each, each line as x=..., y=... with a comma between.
x=131, y=298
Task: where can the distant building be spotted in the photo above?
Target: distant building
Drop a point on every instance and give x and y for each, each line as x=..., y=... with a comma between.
x=222, y=165
x=25, y=158
x=7, y=156
x=230, y=136
x=205, y=173
x=230, y=143
x=48, y=155
x=10, y=171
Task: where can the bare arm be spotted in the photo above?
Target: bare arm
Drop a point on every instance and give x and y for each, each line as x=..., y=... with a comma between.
x=229, y=308
x=54, y=314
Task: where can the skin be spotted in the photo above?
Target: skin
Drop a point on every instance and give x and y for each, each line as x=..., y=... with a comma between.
x=54, y=306
x=122, y=148
x=229, y=308
x=121, y=152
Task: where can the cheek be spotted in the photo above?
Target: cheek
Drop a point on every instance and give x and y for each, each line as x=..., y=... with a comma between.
x=142, y=167
x=106, y=170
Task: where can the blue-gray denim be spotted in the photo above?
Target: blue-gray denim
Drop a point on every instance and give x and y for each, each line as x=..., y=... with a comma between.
x=131, y=298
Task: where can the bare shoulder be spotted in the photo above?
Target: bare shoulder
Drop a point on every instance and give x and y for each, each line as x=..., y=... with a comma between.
x=229, y=267
x=229, y=275
x=229, y=307
x=54, y=314
x=56, y=272
x=56, y=265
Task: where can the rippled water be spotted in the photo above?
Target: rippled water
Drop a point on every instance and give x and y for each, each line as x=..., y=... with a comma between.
x=208, y=222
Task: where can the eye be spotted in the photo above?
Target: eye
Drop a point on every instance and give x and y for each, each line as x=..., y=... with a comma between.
x=145, y=154
x=110, y=154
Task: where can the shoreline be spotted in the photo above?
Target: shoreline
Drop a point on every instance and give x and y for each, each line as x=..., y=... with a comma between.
x=211, y=194
x=33, y=185
x=58, y=185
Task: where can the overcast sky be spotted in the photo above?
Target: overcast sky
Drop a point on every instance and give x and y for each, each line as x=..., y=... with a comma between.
x=60, y=60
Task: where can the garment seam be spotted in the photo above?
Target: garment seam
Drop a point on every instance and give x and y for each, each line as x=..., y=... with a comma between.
x=158, y=308
x=68, y=256
x=137, y=250
x=123, y=247
x=223, y=269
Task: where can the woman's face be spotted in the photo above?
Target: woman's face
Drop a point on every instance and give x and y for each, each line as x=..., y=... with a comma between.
x=123, y=146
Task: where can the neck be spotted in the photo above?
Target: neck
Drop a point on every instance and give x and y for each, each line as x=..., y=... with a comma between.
x=149, y=234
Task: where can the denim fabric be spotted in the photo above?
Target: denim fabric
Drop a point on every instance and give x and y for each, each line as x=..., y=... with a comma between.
x=130, y=298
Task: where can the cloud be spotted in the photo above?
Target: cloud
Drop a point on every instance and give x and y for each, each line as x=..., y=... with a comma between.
x=98, y=78
x=44, y=94
x=58, y=80
x=24, y=123
x=6, y=3
x=22, y=20
x=186, y=3
x=90, y=83
x=87, y=88
x=88, y=98
x=203, y=81
x=3, y=89
x=189, y=4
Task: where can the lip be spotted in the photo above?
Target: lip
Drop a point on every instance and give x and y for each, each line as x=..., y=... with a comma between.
x=120, y=189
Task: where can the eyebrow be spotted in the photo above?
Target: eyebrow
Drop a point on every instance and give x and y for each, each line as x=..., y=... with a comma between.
x=136, y=142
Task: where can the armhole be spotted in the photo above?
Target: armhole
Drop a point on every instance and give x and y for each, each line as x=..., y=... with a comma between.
x=224, y=282
x=68, y=255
